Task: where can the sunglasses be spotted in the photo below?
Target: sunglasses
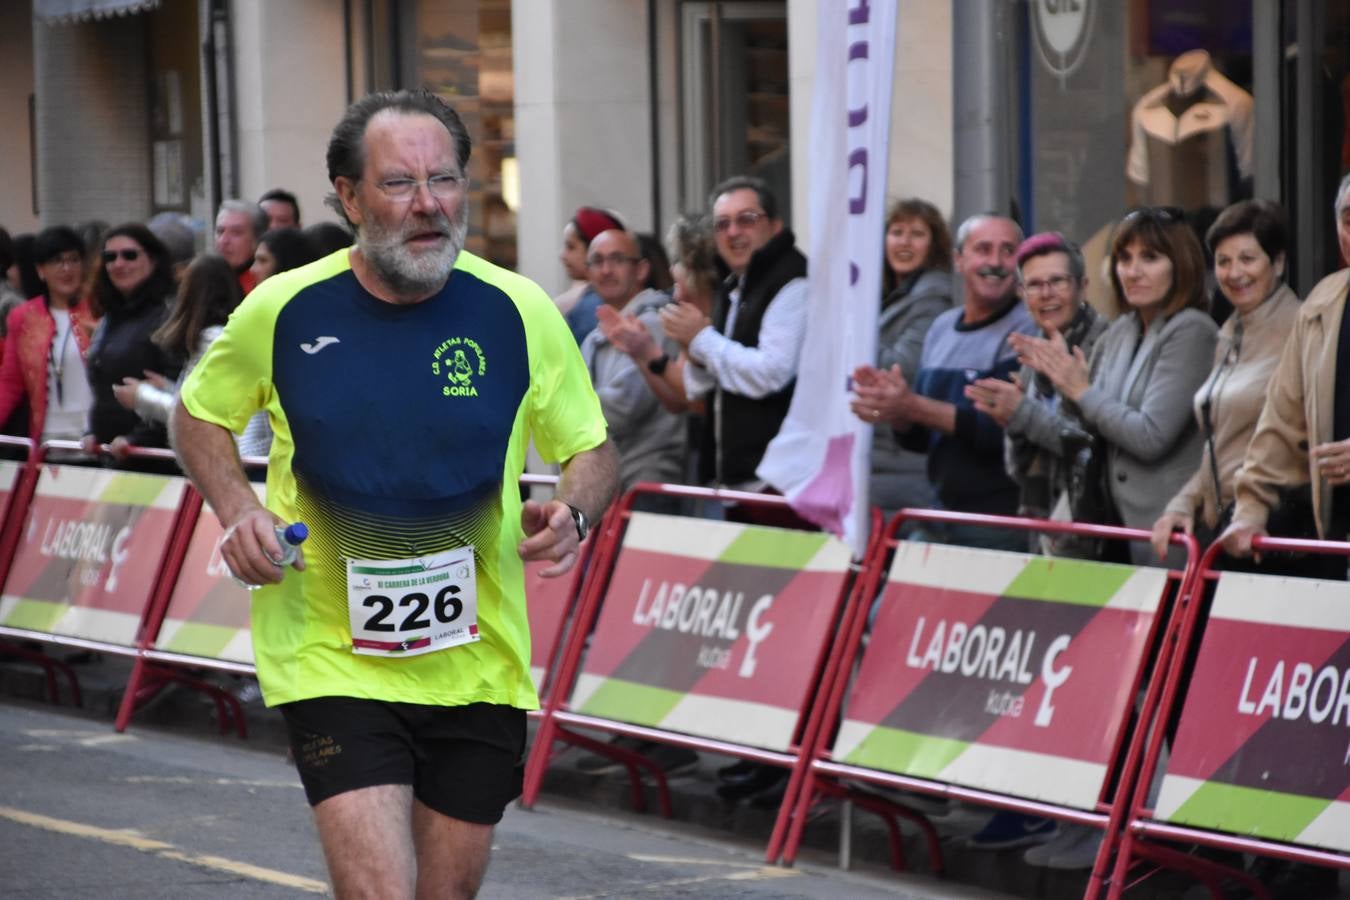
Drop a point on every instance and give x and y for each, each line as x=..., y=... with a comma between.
x=1157, y=214
x=127, y=255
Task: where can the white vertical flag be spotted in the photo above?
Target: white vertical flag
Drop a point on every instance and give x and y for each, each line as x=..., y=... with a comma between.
x=821, y=457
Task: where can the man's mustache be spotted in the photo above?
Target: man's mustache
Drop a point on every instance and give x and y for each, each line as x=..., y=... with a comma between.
x=995, y=271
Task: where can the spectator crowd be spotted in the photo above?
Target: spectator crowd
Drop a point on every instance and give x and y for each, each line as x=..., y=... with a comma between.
x=1204, y=399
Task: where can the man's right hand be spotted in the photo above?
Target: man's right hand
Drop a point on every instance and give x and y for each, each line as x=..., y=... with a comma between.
x=1237, y=539
x=251, y=550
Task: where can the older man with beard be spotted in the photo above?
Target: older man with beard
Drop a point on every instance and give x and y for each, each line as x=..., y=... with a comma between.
x=404, y=381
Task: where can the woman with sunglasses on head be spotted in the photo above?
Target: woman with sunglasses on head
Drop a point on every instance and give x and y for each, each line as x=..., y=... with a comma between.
x=1135, y=394
x=133, y=291
x=46, y=342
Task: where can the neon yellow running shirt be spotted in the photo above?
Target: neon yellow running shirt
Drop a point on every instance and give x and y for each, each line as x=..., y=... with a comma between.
x=400, y=432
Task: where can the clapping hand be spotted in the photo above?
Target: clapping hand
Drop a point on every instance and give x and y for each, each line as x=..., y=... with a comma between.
x=879, y=395
x=996, y=398
x=626, y=333
x=682, y=322
x=1050, y=355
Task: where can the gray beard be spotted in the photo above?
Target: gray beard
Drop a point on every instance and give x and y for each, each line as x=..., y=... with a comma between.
x=403, y=272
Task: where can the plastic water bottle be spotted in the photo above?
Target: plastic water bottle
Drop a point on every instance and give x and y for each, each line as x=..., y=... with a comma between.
x=290, y=537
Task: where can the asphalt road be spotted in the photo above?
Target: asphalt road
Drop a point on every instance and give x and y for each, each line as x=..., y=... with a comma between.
x=88, y=813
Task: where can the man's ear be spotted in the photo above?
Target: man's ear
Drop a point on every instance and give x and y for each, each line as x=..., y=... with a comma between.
x=644, y=270
x=346, y=194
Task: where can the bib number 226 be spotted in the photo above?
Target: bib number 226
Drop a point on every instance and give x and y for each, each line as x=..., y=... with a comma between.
x=407, y=607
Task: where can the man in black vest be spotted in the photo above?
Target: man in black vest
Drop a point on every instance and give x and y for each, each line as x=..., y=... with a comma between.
x=745, y=358
x=745, y=355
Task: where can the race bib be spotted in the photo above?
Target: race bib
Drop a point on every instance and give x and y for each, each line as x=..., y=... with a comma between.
x=407, y=607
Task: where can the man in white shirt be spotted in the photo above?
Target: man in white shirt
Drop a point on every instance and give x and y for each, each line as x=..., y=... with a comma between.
x=746, y=357
x=746, y=354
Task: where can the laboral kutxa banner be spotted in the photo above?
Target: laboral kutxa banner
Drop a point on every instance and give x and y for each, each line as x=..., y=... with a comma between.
x=1001, y=671
x=89, y=552
x=712, y=628
x=1263, y=745
x=208, y=612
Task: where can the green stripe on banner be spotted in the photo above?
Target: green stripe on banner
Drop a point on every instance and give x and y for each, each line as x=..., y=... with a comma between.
x=1244, y=810
x=629, y=701
x=776, y=549
x=1069, y=581
x=907, y=752
x=36, y=615
x=133, y=490
x=201, y=639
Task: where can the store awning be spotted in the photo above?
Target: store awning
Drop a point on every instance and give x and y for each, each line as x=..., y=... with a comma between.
x=71, y=12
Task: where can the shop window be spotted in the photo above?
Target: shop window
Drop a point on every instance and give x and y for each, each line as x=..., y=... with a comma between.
x=1157, y=102
x=176, y=149
x=461, y=49
x=735, y=97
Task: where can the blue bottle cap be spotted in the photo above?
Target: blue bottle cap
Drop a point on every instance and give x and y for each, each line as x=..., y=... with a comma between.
x=296, y=533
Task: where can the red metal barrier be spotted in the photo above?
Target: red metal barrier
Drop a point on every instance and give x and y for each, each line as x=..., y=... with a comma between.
x=610, y=643
x=551, y=602
x=77, y=583
x=1000, y=735
x=1145, y=825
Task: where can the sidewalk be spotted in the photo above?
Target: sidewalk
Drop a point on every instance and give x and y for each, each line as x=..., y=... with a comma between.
x=970, y=874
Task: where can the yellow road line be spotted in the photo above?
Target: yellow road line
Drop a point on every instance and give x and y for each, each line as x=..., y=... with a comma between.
x=137, y=841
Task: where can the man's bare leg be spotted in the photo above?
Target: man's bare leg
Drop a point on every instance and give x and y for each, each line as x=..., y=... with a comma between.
x=452, y=855
x=367, y=842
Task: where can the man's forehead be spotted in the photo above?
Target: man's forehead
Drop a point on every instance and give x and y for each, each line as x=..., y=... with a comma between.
x=232, y=218
x=612, y=239
x=993, y=230
x=392, y=130
x=735, y=201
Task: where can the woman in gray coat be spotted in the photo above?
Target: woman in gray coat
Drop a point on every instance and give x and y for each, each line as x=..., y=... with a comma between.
x=1136, y=392
x=917, y=287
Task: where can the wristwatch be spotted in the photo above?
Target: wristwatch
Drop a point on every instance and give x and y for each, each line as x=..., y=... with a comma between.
x=658, y=366
x=579, y=519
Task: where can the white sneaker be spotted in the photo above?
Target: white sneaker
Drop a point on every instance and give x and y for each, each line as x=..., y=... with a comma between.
x=1080, y=854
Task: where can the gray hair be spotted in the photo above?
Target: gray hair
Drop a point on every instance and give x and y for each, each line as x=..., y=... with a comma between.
x=256, y=215
x=1341, y=194
x=976, y=221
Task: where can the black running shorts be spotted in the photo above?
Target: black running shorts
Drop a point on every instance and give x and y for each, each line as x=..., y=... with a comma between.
x=466, y=762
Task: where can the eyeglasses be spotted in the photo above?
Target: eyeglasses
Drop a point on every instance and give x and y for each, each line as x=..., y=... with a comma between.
x=442, y=187
x=1053, y=285
x=128, y=255
x=70, y=260
x=613, y=259
x=743, y=220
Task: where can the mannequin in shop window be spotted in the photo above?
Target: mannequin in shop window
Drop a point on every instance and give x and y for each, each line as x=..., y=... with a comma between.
x=1191, y=138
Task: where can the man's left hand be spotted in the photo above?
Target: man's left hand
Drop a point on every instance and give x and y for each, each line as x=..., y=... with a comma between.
x=550, y=533
x=996, y=398
x=683, y=322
